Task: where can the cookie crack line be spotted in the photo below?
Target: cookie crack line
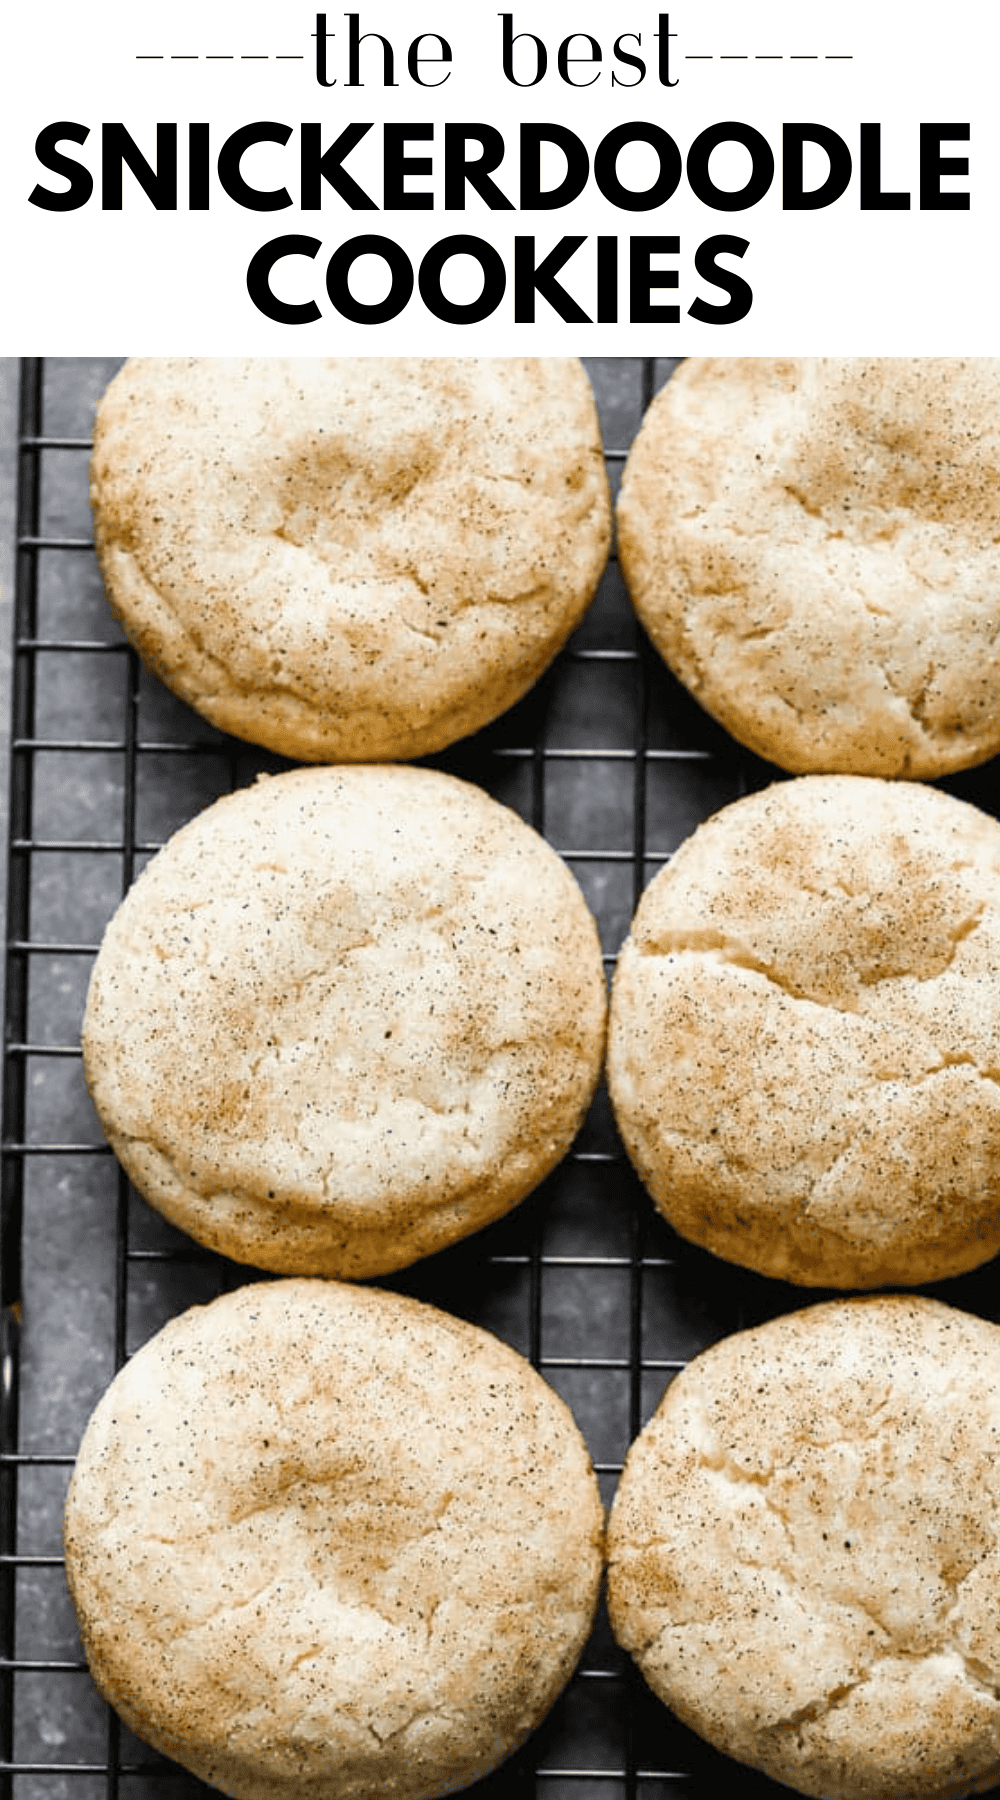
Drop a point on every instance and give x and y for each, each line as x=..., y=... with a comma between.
x=307, y=1655
x=422, y=1617
x=896, y=1644
x=890, y=1649
x=864, y=1121
x=818, y=1709
x=958, y=934
x=808, y=506
x=721, y=947
x=228, y=683
x=815, y=1711
x=443, y=1713
x=914, y=702
x=464, y=1109
x=728, y=1466
x=804, y=1195
x=953, y=1061
x=913, y=698
x=353, y=1466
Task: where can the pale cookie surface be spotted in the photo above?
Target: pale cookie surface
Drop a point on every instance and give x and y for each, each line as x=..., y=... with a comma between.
x=804, y=1550
x=351, y=559
x=811, y=545
x=344, y=1017
x=804, y=1050
x=329, y=1542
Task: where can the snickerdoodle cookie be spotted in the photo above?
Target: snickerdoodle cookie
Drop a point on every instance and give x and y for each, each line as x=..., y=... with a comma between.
x=812, y=545
x=344, y=1017
x=804, y=1053
x=326, y=1542
x=804, y=1550
x=352, y=558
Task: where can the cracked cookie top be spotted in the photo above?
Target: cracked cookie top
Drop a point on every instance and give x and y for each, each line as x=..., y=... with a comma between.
x=804, y=1549
x=804, y=1047
x=349, y=559
x=326, y=1542
x=812, y=545
x=345, y=1017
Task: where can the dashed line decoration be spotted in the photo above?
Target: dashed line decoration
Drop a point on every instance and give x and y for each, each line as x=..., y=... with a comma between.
x=768, y=56
x=217, y=56
x=688, y=56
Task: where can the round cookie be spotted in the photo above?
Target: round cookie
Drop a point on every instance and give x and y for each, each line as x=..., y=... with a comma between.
x=350, y=559
x=811, y=545
x=344, y=1017
x=326, y=1542
x=804, y=1047
x=804, y=1550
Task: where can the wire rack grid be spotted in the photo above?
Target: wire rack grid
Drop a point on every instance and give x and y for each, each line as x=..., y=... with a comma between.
x=615, y=765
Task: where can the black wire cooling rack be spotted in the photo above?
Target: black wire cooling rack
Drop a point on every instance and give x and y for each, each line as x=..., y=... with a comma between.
x=615, y=765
